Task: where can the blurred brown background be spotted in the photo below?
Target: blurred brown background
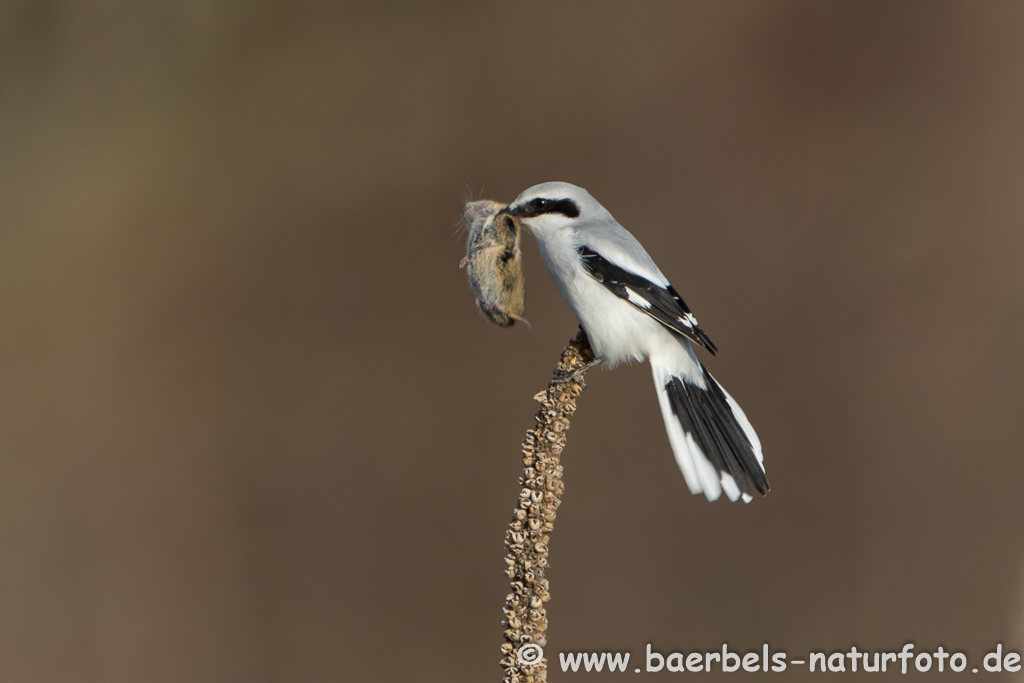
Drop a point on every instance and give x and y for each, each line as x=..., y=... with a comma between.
x=253, y=429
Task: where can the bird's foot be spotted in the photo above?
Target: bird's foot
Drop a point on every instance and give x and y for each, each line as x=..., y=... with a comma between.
x=563, y=376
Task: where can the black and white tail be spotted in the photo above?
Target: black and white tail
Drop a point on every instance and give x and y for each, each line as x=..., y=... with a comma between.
x=714, y=443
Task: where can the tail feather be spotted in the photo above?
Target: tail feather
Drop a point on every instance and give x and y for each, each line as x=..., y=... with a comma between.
x=714, y=443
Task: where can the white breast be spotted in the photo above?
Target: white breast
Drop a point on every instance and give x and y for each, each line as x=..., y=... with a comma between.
x=618, y=332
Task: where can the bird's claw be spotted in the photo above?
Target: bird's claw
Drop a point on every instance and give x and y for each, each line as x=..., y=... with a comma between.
x=563, y=376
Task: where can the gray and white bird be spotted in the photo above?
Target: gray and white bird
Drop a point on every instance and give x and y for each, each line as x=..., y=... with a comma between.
x=631, y=312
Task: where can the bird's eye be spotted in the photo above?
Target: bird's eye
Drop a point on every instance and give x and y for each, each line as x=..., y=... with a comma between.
x=540, y=204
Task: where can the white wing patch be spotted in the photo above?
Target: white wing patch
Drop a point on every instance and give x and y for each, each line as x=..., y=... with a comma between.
x=637, y=300
x=687, y=320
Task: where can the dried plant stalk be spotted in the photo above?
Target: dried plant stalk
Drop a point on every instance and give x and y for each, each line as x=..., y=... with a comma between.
x=526, y=539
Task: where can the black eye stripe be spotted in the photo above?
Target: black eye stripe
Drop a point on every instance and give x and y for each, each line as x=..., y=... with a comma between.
x=566, y=207
x=541, y=205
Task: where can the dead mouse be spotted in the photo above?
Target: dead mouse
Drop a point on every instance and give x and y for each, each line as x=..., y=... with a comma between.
x=493, y=262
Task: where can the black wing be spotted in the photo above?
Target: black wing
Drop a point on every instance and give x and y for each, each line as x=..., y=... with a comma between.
x=661, y=303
